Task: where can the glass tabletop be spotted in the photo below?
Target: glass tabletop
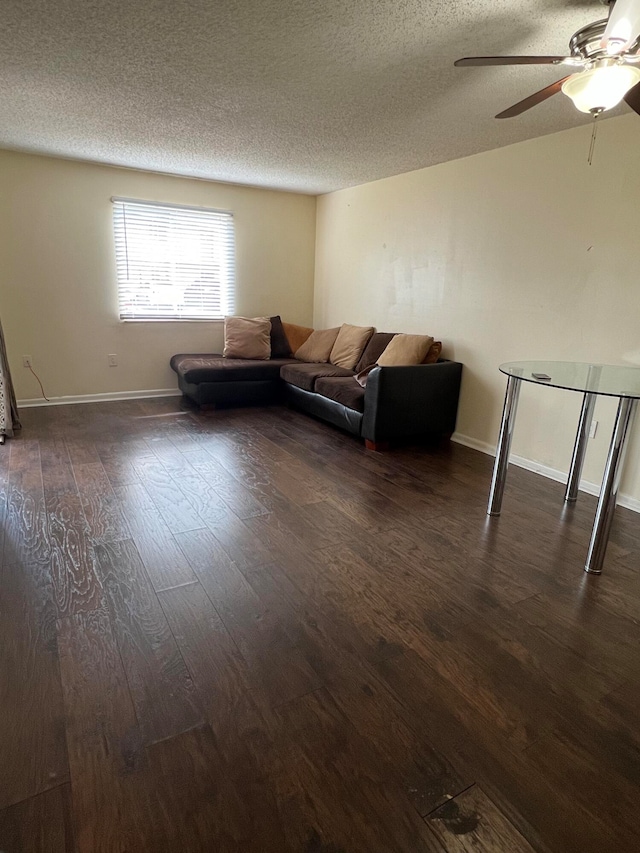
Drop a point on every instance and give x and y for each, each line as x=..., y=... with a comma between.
x=606, y=379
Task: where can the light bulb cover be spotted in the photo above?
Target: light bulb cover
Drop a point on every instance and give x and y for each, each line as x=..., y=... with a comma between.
x=600, y=88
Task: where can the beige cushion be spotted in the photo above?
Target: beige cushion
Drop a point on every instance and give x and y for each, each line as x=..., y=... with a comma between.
x=405, y=349
x=318, y=346
x=246, y=337
x=296, y=335
x=350, y=345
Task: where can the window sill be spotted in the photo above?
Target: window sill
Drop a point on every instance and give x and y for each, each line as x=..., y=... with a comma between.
x=168, y=320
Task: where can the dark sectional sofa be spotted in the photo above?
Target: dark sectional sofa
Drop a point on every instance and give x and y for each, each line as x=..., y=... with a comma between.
x=397, y=402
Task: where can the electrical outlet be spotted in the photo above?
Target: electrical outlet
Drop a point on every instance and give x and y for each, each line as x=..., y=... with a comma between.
x=26, y=361
x=113, y=359
x=592, y=429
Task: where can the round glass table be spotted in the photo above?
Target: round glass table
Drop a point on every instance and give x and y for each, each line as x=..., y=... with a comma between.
x=591, y=380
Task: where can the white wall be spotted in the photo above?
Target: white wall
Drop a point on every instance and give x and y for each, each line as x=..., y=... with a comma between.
x=520, y=253
x=58, y=298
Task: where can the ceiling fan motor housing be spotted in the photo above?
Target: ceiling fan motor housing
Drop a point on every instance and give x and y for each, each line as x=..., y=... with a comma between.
x=586, y=43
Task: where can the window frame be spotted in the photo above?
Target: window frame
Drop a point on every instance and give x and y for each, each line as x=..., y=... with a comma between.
x=226, y=294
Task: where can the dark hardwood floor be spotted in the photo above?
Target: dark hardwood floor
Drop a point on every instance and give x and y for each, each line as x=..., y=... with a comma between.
x=242, y=632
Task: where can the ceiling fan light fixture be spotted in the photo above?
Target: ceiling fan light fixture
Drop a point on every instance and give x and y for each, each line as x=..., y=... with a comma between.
x=600, y=88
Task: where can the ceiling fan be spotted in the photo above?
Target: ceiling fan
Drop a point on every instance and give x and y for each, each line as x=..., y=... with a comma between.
x=605, y=54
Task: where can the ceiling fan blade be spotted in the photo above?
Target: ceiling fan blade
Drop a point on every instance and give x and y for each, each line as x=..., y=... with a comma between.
x=533, y=100
x=623, y=26
x=510, y=60
x=632, y=98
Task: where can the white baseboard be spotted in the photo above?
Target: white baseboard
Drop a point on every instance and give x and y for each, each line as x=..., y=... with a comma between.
x=538, y=468
x=99, y=398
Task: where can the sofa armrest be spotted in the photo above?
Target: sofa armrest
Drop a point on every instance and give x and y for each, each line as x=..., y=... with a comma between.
x=404, y=401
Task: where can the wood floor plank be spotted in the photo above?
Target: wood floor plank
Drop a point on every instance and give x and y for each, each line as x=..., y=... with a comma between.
x=160, y=685
x=471, y=822
x=268, y=481
x=560, y=754
x=197, y=802
x=103, y=738
x=278, y=666
x=81, y=451
x=240, y=719
x=41, y=824
x=26, y=535
x=4, y=492
x=505, y=772
x=32, y=742
x=337, y=654
x=76, y=585
x=217, y=667
x=201, y=494
x=101, y=509
x=172, y=504
x=117, y=460
x=162, y=558
x=239, y=500
x=344, y=800
x=53, y=452
x=240, y=543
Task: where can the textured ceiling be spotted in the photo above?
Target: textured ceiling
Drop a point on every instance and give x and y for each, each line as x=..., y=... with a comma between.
x=305, y=95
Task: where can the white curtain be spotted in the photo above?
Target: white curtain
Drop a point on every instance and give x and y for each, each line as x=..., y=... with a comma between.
x=8, y=408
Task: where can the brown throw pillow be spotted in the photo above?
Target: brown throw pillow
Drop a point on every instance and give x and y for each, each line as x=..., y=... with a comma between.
x=296, y=335
x=246, y=337
x=280, y=347
x=434, y=353
x=318, y=346
x=405, y=349
x=350, y=345
x=374, y=349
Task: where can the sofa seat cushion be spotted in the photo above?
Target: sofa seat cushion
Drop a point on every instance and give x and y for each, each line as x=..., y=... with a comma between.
x=207, y=367
x=304, y=375
x=343, y=390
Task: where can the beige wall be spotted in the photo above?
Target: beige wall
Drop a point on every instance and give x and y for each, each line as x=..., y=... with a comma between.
x=58, y=298
x=521, y=253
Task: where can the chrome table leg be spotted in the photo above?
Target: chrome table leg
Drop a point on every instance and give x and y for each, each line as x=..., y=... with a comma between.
x=579, y=448
x=504, y=444
x=610, y=484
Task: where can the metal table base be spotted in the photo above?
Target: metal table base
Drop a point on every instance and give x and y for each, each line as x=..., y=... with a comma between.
x=612, y=472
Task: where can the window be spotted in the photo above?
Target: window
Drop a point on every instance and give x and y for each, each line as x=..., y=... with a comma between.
x=173, y=263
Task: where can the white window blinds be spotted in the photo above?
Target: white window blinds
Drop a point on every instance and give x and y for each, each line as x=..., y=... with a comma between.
x=173, y=263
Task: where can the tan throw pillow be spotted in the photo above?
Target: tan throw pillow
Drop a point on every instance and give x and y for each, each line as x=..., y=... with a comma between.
x=350, y=345
x=318, y=346
x=434, y=353
x=246, y=337
x=405, y=349
x=296, y=335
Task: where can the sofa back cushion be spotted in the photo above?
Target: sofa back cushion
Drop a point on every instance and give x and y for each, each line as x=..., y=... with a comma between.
x=280, y=347
x=377, y=344
x=318, y=345
x=350, y=345
x=246, y=337
x=405, y=349
x=296, y=335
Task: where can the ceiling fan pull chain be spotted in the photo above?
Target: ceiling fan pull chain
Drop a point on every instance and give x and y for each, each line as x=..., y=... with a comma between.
x=593, y=137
